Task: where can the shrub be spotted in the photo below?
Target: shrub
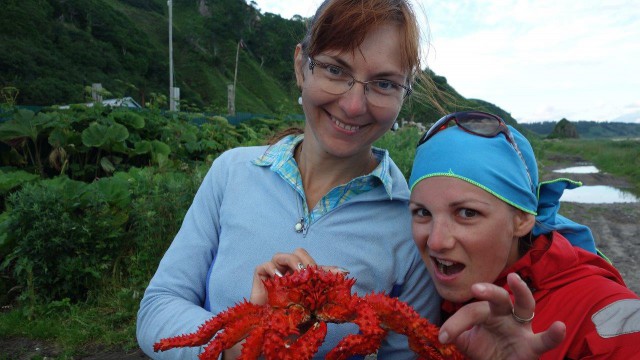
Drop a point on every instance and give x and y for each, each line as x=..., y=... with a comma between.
x=66, y=235
x=160, y=201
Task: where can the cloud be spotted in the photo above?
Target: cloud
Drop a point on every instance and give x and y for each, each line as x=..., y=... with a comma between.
x=288, y=8
x=541, y=60
x=633, y=106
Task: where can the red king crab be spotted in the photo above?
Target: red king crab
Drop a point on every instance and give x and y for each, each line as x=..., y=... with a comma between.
x=292, y=325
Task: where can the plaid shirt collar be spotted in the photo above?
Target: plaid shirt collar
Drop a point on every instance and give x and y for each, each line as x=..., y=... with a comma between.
x=279, y=157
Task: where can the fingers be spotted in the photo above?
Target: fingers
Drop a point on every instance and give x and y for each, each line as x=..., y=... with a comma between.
x=493, y=325
x=549, y=339
x=495, y=306
x=295, y=261
x=524, y=304
x=281, y=264
x=462, y=320
x=498, y=298
x=262, y=272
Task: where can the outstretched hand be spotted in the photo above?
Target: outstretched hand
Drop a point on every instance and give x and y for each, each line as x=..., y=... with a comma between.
x=493, y=328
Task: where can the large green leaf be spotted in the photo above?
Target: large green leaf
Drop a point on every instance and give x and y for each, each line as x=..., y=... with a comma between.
x=128, y=119
x=142, y=147
x=13, y=179
x=25, y=124
x=114, y=190
x=160, y=153
x=117, y=133
x=99, y=135
x=94, y=135
x=160, y=148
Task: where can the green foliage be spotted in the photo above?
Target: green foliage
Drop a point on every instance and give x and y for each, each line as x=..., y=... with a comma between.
x=401, y=145
x=24, y=133
x=564, y=129
x=67, y=235
x=63, y=238
x=89, y=143
x=52, y=50
x=70, y=237
x=159, y=203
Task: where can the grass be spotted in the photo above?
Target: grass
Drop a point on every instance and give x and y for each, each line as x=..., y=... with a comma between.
x=619, y=158
x=77, y=329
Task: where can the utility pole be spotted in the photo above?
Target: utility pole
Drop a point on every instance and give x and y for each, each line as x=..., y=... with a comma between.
x=172, y=90
x=232, y=92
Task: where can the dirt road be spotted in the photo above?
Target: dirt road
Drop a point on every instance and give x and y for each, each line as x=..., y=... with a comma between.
x=616, y=227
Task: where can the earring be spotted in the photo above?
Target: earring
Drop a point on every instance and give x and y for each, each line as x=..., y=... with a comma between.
x=395, y=126
x=300, y=100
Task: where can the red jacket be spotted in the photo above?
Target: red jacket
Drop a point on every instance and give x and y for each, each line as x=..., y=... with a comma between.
x=585, y=292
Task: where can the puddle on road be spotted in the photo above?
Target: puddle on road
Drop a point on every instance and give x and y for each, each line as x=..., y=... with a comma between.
x=579, y=170
x=594, y=194
x=598, y=194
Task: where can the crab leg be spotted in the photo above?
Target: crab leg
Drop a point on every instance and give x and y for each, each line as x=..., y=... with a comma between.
x=241, y=313
x=403, y=319
x=233, y=333
x=371, y=334
x=303, y=348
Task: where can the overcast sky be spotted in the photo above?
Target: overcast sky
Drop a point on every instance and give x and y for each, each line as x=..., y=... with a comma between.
x=537, y=59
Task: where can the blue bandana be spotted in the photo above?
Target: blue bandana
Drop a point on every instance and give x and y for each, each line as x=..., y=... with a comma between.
x=493, y=165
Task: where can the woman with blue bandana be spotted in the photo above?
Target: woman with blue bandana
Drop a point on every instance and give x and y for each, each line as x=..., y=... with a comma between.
x=503, y=259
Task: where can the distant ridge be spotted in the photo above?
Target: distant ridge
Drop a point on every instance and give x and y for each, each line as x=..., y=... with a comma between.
x=590, y=129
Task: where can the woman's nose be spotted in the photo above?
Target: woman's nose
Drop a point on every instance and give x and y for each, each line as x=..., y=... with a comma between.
x=440, y=236
x=354, y=101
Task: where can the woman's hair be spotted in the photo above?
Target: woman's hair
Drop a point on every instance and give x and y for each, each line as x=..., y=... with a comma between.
x=342, y=25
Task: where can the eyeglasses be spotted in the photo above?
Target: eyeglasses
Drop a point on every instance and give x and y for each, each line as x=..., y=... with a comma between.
x=477, y=123
x=336, y=81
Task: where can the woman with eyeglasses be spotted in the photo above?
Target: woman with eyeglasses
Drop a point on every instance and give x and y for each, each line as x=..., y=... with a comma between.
x=488, y=231
x=325, y=196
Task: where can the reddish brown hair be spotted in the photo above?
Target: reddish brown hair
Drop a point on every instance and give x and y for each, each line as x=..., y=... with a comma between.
x=342, y=25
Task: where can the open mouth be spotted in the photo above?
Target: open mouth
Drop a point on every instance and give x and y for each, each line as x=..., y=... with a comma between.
x=447, y=267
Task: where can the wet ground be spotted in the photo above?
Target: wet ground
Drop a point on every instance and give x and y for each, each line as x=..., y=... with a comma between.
x=616, y=227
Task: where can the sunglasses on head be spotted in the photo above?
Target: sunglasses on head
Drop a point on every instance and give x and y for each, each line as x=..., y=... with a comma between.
x=477, y=123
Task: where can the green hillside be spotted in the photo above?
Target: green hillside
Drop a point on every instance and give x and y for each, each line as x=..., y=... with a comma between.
x=52, y=51
x=590, y=129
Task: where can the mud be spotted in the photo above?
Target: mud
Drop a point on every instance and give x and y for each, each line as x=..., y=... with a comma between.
x=616, y=227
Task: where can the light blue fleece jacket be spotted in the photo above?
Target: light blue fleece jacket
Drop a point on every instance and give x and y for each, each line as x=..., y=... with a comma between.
x=242, y=215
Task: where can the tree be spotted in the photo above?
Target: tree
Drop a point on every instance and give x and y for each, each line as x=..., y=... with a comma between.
x=564, y=129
